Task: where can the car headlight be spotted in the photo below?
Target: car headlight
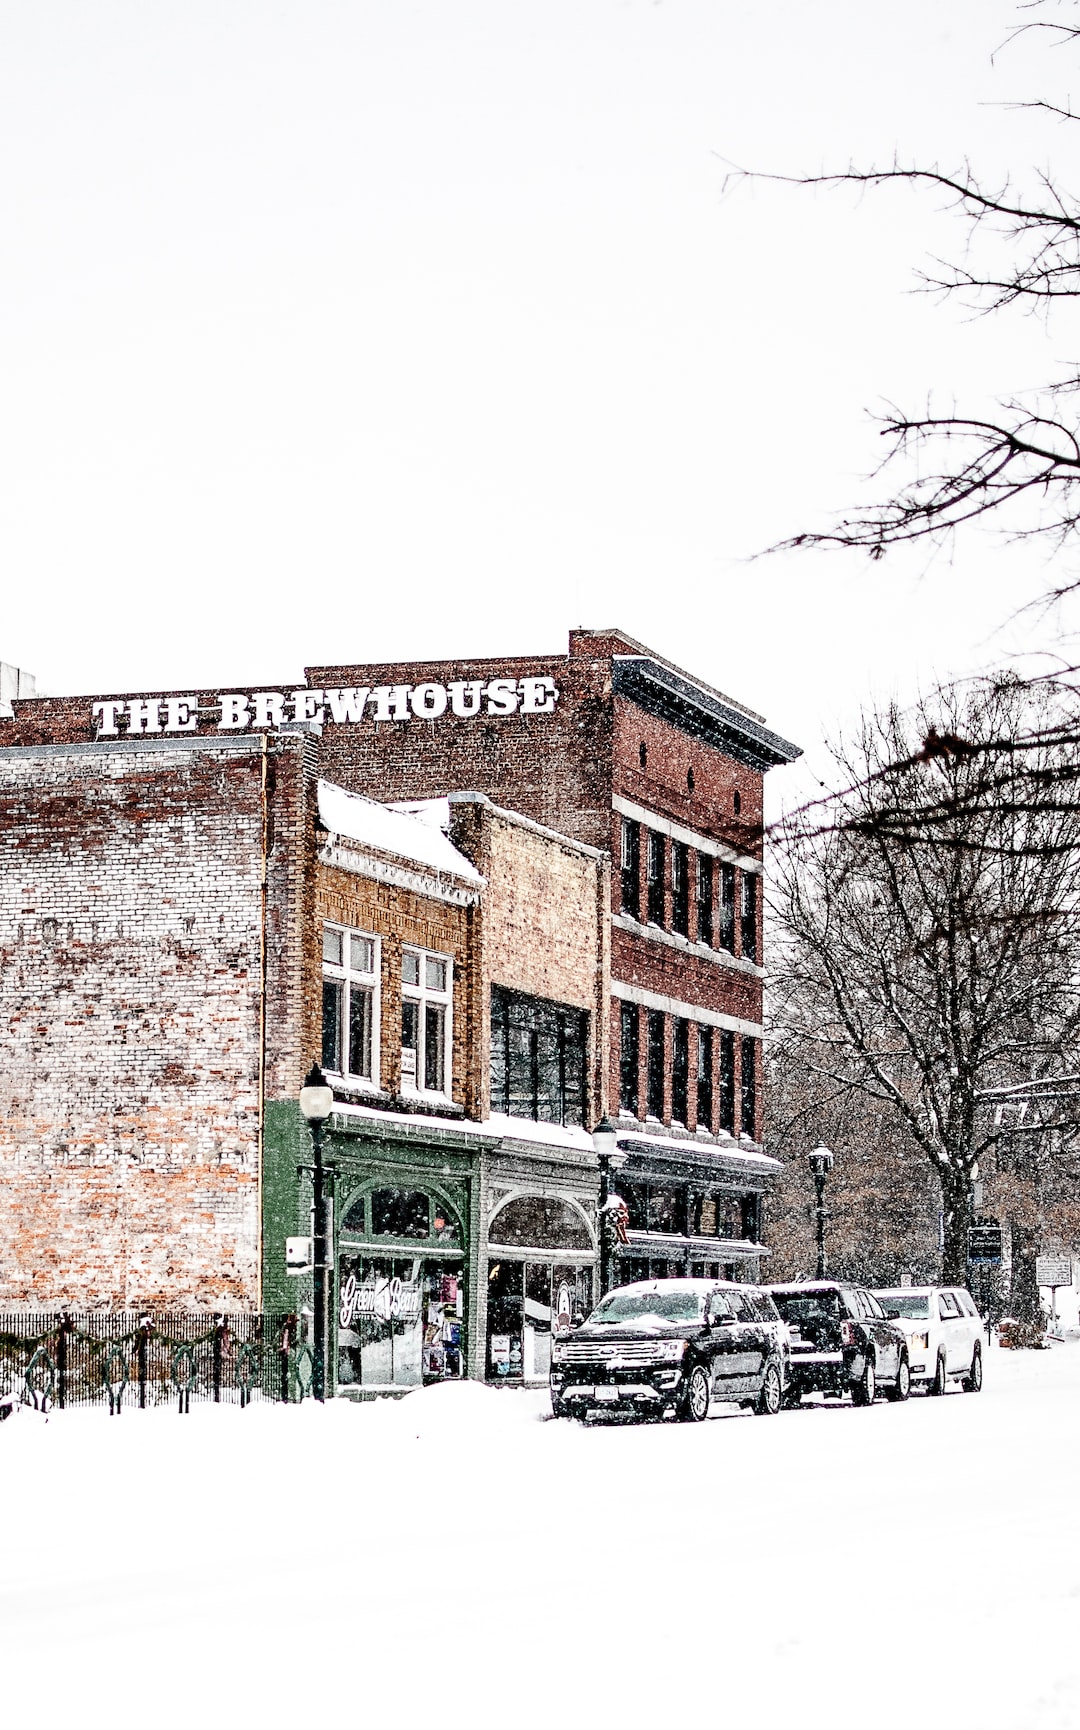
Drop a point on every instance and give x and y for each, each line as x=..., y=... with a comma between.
x=919, y=1342
x=558, y=1351
x=670, y=1351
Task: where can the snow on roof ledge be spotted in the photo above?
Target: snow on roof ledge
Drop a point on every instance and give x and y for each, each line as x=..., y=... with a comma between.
x=405, y=835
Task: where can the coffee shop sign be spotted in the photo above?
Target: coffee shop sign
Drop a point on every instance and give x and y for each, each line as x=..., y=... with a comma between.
x=237, y=710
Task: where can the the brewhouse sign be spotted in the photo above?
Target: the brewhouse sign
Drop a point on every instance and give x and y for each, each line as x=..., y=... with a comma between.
x=236, y=710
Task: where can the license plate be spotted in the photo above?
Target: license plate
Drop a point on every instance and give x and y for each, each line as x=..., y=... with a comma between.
x=607, y=1393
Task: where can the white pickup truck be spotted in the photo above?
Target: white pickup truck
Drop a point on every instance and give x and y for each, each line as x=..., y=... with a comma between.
x=944, y=1332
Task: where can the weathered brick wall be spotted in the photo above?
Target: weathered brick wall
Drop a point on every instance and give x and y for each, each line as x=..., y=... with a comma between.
x=130, y=962
x=545, y=930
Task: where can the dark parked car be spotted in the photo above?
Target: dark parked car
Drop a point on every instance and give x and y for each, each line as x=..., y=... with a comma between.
x=673, y=1345
x=842, y=1341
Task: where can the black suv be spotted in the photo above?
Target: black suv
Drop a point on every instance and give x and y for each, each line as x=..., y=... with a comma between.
x=673, y=1345
x=842, y=1341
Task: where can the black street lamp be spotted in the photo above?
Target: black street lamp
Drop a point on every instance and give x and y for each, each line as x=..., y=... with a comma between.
x=821, y=1161
x=316, y=1103
x=609, y=1158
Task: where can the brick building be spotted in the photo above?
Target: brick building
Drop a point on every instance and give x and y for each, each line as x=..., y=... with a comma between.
x=174, y=853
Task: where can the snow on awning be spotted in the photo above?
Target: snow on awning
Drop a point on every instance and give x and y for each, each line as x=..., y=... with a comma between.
x=355, y=818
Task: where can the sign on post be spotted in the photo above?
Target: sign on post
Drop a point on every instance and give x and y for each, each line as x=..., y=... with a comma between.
x=1053, y=1270
x=984, y=1243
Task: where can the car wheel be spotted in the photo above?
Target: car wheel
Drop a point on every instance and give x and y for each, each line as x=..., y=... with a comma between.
x=902, y=1386
x=864, y=1391
x=771, y=1396
x=695, y=1402
x=972, y=1382
x=559, y=1408
x=941, y=1380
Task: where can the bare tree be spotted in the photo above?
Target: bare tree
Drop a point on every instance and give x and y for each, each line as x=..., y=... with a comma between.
x=1020, y=463
x=927, y=964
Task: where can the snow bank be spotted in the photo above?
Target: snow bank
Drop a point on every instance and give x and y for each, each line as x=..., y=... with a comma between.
x=450, y=1560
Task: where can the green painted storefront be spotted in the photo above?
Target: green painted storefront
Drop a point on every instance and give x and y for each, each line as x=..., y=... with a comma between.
x=405, y=1292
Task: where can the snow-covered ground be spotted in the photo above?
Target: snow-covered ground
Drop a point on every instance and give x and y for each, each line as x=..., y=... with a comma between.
x=452, y=1560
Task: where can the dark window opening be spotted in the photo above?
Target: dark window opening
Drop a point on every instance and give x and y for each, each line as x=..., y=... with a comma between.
x=689, y=780
x=332, y=993
x=680, y=889
x=538, y=1058
x=704, y=899
x=748, y=912
x=680, y=1071
x=655, y=873
x=727, y=1082
x=540, y=1222
x=629, y=1040
x=751, y=1218
x=749, y=1088
x=643, y=753
x=636, y=1197
x=400, y=1213
x=655, y=1064
x=631, y=868
x=726, y=934
x=736, y=802
x=704, y=1077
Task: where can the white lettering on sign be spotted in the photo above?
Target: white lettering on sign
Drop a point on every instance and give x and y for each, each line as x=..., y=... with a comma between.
x=386, y=1299
x=428, y=701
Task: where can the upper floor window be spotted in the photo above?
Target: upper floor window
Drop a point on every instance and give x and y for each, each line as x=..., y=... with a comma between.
x=748, y=1124
x=704, y=1076
x=538, y=1058
x=727, y=1082
x=629, y=1057
x=654, y=1071
x=655, y=874
x=704, y=899
x=726, y=934
x=680, y=1071
x=680, y=888
x=350, y=1004
x=426, y=1021
x=748, y=915
x=630, y=868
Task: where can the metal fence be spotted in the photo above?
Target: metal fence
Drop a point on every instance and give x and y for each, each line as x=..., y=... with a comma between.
x=115, y=1359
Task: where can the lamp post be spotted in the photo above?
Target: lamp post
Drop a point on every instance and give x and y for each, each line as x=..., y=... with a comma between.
x=820, y=1164
x=609, y=1158
x=316, y=1103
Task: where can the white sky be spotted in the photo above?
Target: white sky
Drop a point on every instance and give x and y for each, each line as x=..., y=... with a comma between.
x=420, y=328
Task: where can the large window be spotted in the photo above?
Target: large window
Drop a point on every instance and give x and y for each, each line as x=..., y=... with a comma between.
x=748, y=915
x=726, y=935
x=749, y=1088
x=654, y=1103
x=680, y=889
x=655, y=874
x=631, y=868
x=704, y=1076
x=704, y=899
x=727, y=1082
x=629, y=1055
x=350, y=1004
x=538, y=1058
x=680, y=1071
x=426, y=986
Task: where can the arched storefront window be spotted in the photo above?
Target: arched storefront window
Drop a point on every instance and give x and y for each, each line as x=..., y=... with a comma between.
x=540, y=1222
x=400, y=1290
x=539, y=1276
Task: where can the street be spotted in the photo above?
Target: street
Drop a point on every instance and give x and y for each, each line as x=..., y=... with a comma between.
x=453, y=1559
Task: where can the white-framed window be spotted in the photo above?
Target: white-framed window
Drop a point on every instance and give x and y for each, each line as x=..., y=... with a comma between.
x=427, y=982
x=350, y=1027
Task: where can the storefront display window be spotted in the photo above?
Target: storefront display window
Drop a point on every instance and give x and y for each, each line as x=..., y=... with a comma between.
x=400, y=1321
x=528, y=1302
